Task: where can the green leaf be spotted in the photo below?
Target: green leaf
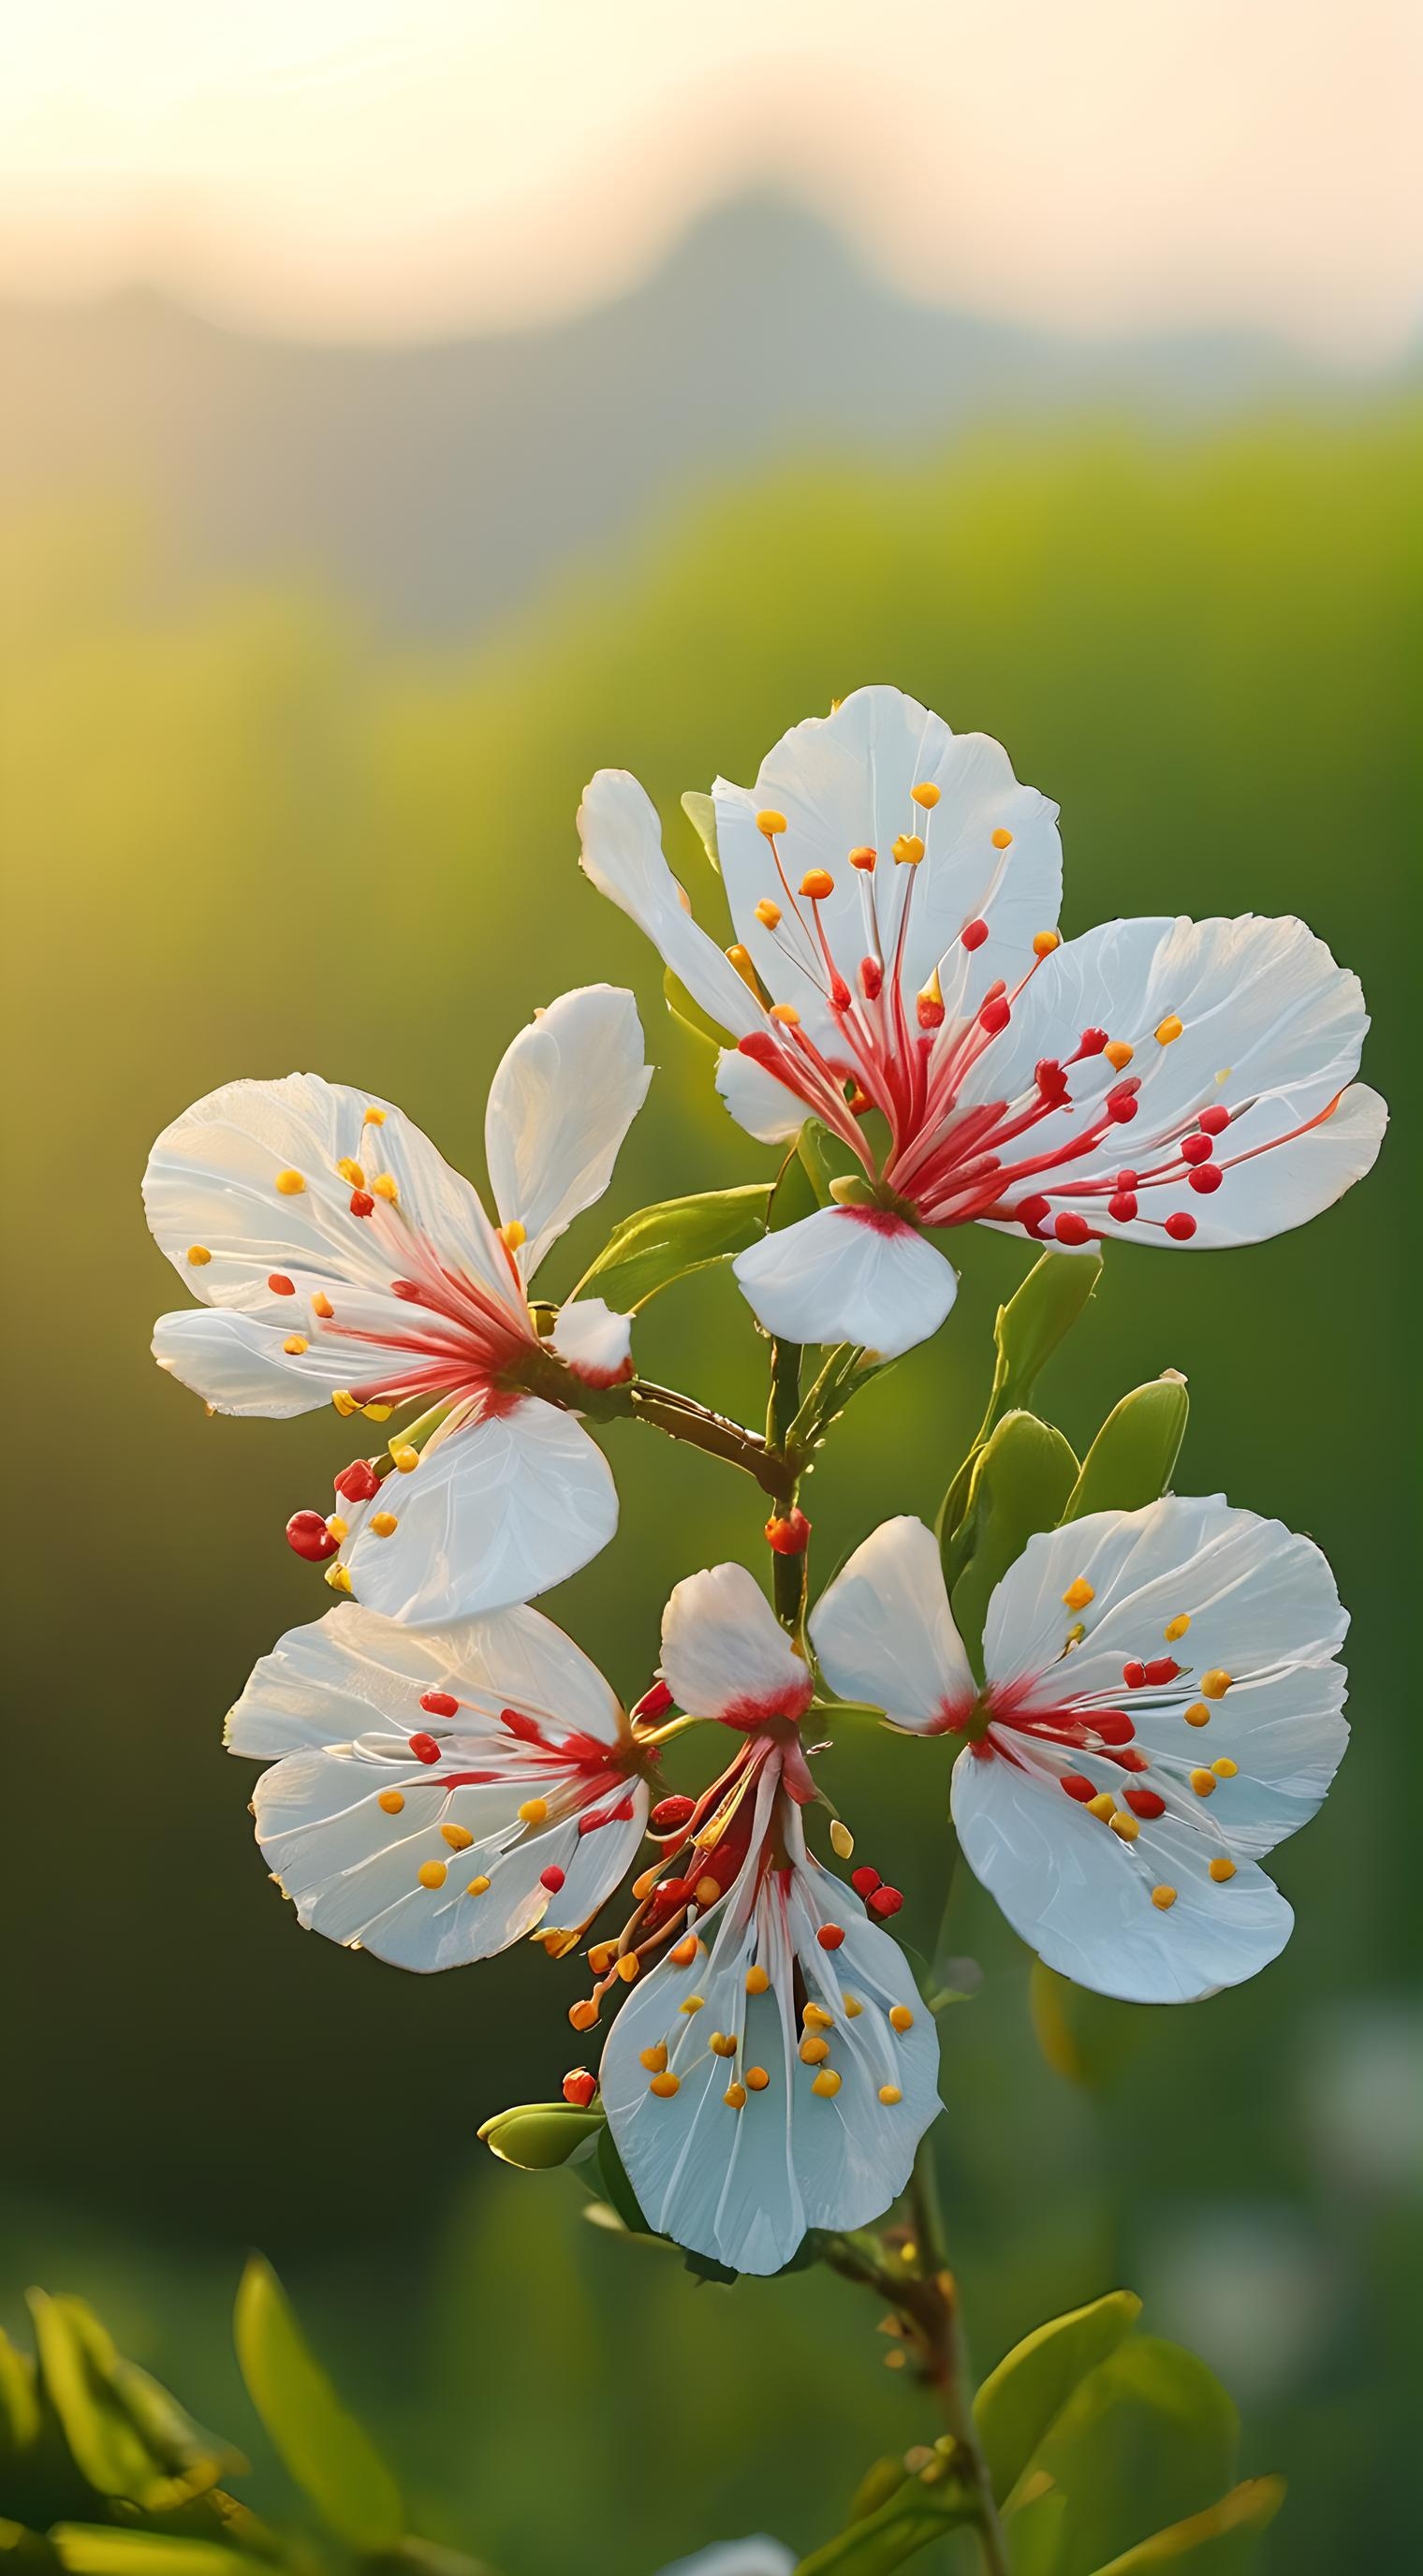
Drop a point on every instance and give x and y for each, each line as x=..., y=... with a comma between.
x=701, y=814
x=905, y=2524
x=1219, y=2542
x=126, y=2436
x=1021, y=2400
x=613, y=2176
x=536, y=2136
x=1021, y=1480
x=331, y=2457
x=682, y=1007
x=666, y=1242
x=1148, y=2439
x=89, y=2550
x=1026, y=1332
x=1133, y=1457
x=24, y=2552
x=19, y=2402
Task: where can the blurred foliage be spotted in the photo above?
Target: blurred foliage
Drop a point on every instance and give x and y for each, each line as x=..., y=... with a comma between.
x=241, y=838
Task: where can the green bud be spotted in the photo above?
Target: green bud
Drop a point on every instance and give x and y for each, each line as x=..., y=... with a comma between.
x=1134, y=1455
x=539, y=2135
x=1021, y=1480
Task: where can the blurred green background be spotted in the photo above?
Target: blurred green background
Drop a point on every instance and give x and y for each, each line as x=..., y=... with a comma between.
x=251, y=829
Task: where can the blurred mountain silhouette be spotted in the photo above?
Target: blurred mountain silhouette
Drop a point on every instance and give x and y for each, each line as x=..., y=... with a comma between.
x=439, y=484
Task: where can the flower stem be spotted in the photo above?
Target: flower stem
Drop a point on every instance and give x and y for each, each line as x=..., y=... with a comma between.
x=789, y=1574
x=940, y=2325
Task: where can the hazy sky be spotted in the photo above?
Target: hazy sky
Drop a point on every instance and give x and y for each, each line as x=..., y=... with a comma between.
x=391, y=167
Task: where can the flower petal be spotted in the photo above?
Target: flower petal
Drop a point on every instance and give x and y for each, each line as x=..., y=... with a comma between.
x=622, y=854
x=561, y=1102
x=885, y=1634
x=237, y=1363
x=495, y=1512
x=725, y=1653
x=755, y=2557
x=848, y=1275
x=1083, y=1899
x=756, y=1100
x=595, y=1341
x=843, y=782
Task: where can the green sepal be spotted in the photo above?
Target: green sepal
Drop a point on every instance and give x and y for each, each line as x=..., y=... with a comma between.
x=88, y=2549
x=1147, y=2440
x=882, y=2479
x=905, y=2523
x=1021, y=1480
x=538, y=2136
x=331, y=2457
x=700, y=811
x=1134, y=1455
x=1219, y=2542
x=682, y=1007
x=126, y=2436
x=1026, y=1332
x=612, y=2173
x=673, y=1238
x=1022, y=2399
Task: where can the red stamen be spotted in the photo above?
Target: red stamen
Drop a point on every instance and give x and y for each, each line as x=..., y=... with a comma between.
x=871, y=978
x=1134, y=1675
x=1070, y=1228
x=1112, y=1724
x=1162, y=1669
x=655, y=1702
x=1213, y=1121
x=1091, y=1042
x=1196, y=1149
x=362, y=1204
x=358, y=1482
x=1078, y=1786
x=865, y=1881
x=424, y=1748
x=551, y=1878
x=885, y=1901
x=579, y=2088
x=830, y=1935
x=1181, y=1225
x=439, y=1704
x=995, y=1015
x=973, y=934
x=1122, y=1206
x=1205, y=1177
x=1121, y=1104
x=279, y=1284
x=669, y=1813
x=308, y=1534
x=1144, y=1802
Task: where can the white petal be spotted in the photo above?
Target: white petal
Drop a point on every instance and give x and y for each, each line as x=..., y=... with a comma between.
x=760, y=1104
x=843, y=782
x=212, y=1182
x=595, y=1341
x=493, y=1514
x=725, y=1653
x=355, y=1670
x=1263, y=1610
x=622, y=853
x=757, y=2557
x=561, y=1102
x=848, y=1275
x=885, y=1634
x=237, y=1363
x=1082, y=1898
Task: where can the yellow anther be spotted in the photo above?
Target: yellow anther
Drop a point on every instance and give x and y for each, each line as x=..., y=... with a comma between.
x=932, y=992
x=706, y=1891
x=900, y=2017
x=1044, y=942
x=1215, y=1683
x=768, y=913
x=458, y=1837
x=199, y=1255
x=629, y=1967
x=339, y=1529
x=1203, y=1782
x=1225, y=1769
x=533, y=1811
x=644, y=1886
x=1197, y=1714
x=926, y=794
x=1176, y=1628
x=601, y=1957
x=1163, y=1898
x=896, y=2357
x=817, y=884
x=813, y=2049
x=787, y=1012
x=1079, y=1593
x=384, y=1524
x=513, y=1235
x=756, y=1981
x=584, y=2013
x=345, y=1403
x=291, y=1184
x=338, y=1578
x=1222, y=1869
x=889, y=2094
x=735, y=2097
x=721, y=2044
x=1077, y=1632
x=431, y=1873
x=1118, y=1054
x=1103, y=1805
x=377, y=1412
x=863, y=858
x=908, y=850
x=853, y=2007
x=665, y=2085
x=391, y=1801
x=691, y=2003
x=826, y=2084
x=1125, y=1825
x=321, y=1305
x=384, y=1187
x=374, y=1117
x=770, y=822
x=295, y=1344
x=654, y=2059
x=815, y=2017
x=1001, y=840
x=351, y=1172
x=842, y=1841
x=757, y=2079
x=404, y=1457
x=1168, y=1030
x=685, y=1951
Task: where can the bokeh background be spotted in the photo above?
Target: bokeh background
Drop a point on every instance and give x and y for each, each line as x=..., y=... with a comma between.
x=406, y=413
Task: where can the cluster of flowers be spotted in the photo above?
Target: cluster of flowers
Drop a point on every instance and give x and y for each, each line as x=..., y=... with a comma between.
x=1161, y=1696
